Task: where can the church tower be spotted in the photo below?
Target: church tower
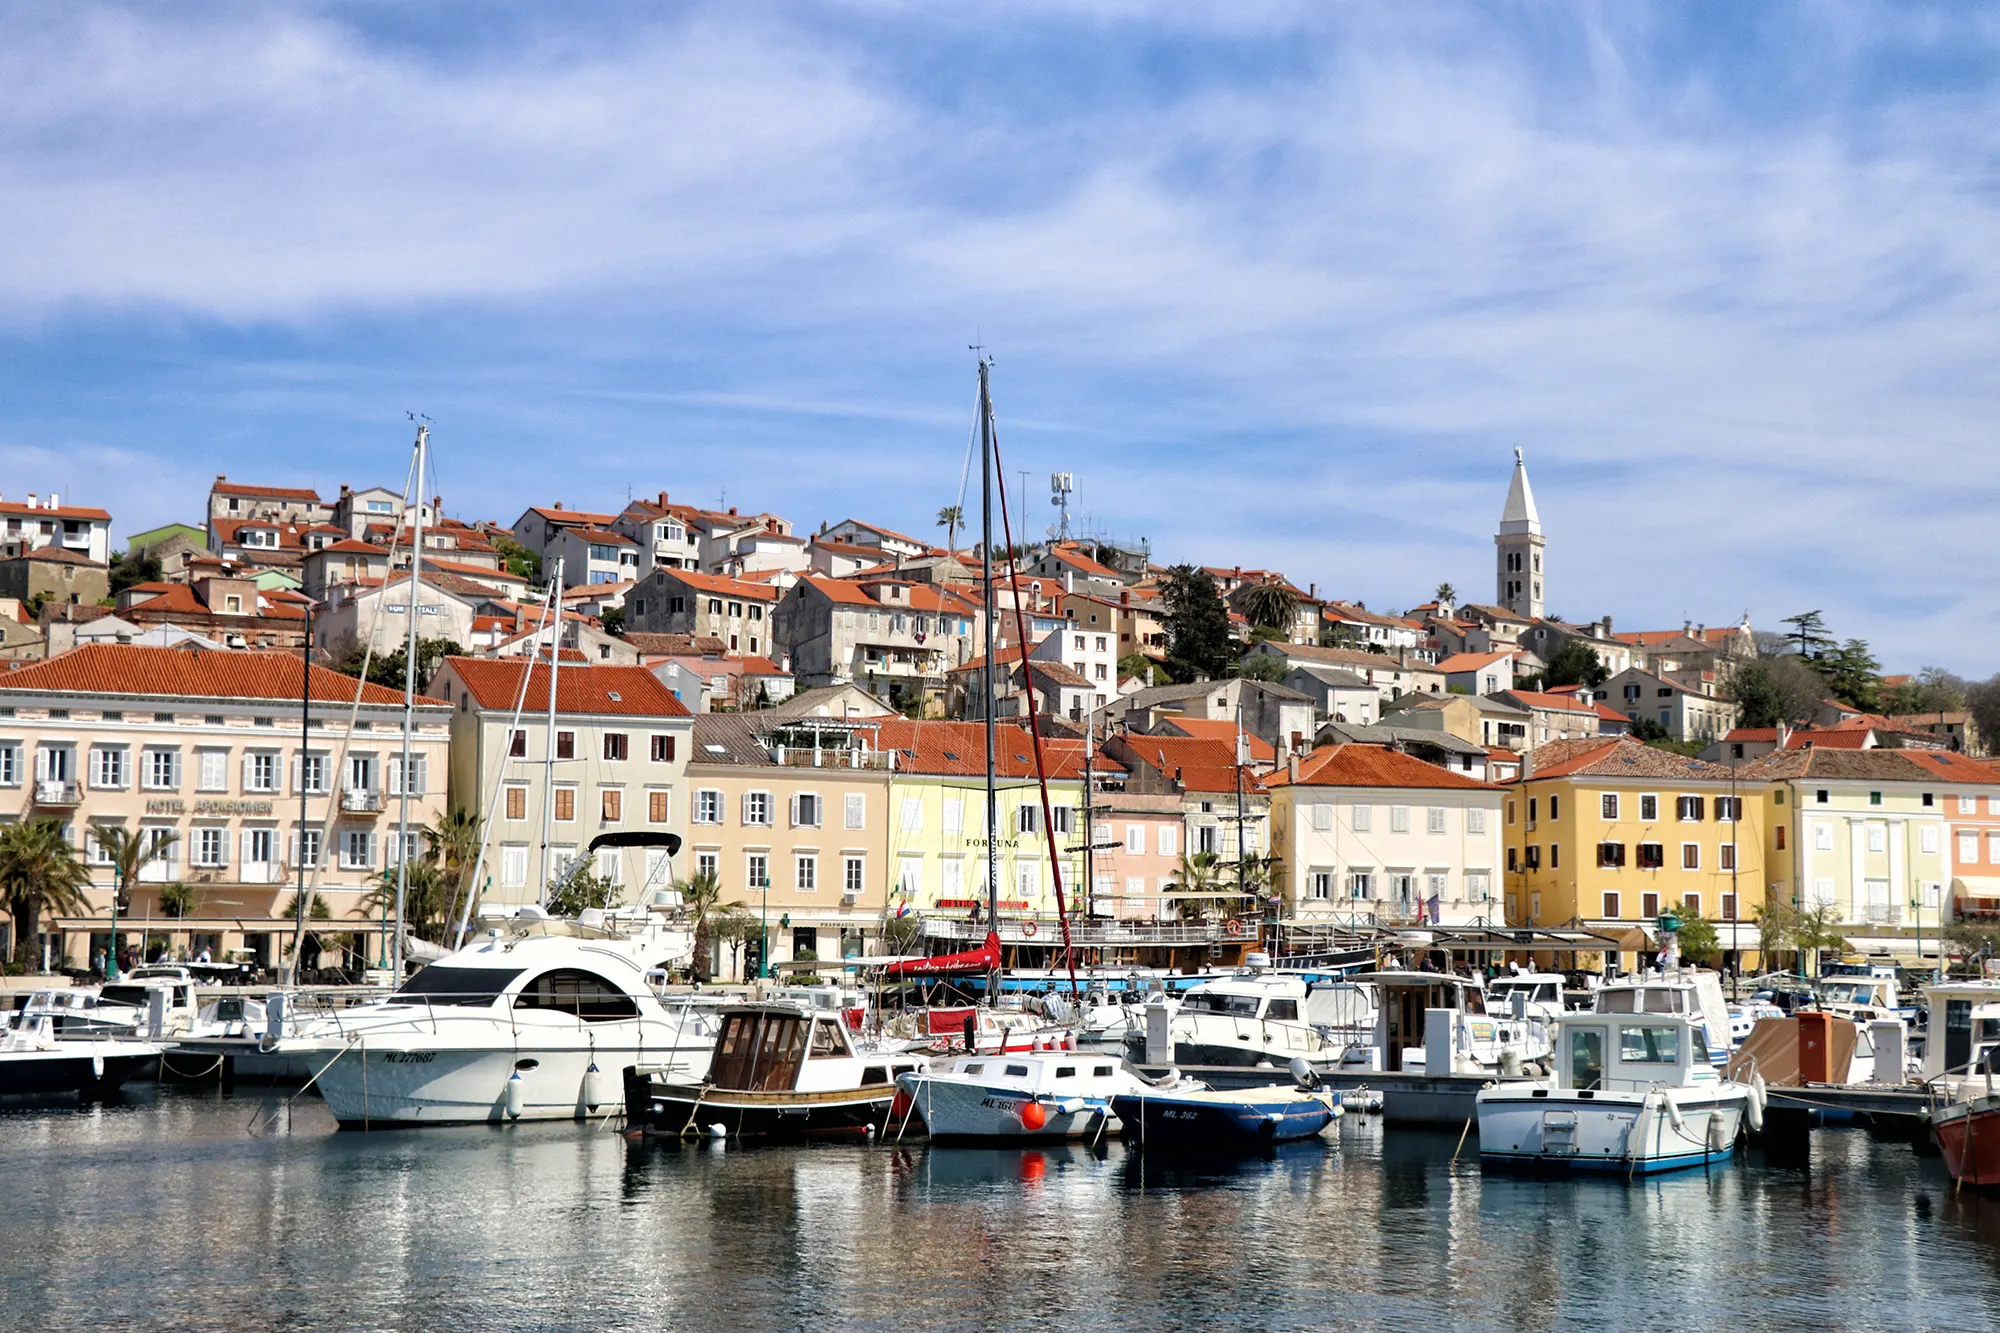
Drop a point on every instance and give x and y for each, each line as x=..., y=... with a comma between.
x=1520, y=543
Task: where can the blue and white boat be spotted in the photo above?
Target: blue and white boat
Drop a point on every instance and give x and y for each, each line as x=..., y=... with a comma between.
x=1223, y=1119
x=1026, y=1097
x=1633, y=1094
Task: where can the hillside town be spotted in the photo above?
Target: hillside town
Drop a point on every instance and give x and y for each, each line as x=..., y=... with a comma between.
x=207, y=718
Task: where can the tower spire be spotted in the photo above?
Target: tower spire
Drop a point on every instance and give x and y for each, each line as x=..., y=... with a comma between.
x=1520, y=542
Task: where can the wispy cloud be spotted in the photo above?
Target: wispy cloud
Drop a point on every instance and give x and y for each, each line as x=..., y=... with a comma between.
x=1283, y=283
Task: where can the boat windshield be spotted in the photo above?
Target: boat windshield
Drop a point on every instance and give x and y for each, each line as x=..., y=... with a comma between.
x=1849, y=993
x=132, y=995
x=1214, y=1002
x=1648, y=1045
x=474, y=986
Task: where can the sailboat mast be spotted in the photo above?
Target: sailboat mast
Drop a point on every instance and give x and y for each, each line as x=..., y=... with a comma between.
x=409, y=702
x=986, y=591
x=554, y=618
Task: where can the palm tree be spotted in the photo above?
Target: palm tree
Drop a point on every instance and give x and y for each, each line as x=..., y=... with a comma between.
x=129, y=853
x=1446, y=595
x=951, y=518
x=454, y=842
x=425, y=891
x=39, y=870
x=1271, y=604
x=1200, y=876
x=702, y=895
x=179, y=900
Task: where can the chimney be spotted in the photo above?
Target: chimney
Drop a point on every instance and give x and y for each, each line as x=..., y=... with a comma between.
x=1125, y=598
x=55, y=500
x=1687, y=627
x=1784, y=735
x=557, y=505
x=1312, y=590
x=31, y=500
x=1292, y=763
x=663, y=499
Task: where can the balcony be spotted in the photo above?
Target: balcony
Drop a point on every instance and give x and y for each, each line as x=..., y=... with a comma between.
x=1883, y=914
x=53, y=792
x=355, y=801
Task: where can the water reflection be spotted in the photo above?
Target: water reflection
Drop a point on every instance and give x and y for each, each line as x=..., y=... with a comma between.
x=164, y=1210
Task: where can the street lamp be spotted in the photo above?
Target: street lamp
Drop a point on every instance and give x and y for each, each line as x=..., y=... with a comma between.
x=764, y=947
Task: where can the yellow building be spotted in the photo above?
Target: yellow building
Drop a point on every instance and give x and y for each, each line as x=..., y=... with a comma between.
x=1609, y=833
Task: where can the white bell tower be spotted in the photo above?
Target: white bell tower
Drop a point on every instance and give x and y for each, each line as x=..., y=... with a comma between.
x=1520, y=544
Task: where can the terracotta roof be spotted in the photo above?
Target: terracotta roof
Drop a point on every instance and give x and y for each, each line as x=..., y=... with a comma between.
x=1199, y=763
x=1312, y=652
x=351, y=546
x=1072, y=555
x=57, y=555
x=886, y=532
x=1554, y=702
x=958, y=749
x=191, y=673
x=1494, y=612
x=1618, y=757
x=715, y=583
x=495, y=683
x=460, y=567
x=604, y=535
x=1952, y=767
x=761, y=666
x=1370, y=766
x=1462, y=662
x=923, y=596
x=676, y=645
x=1055, y=673
x=222, y=487
x=1844, y=738
x=573, y=517
x=1225, y=731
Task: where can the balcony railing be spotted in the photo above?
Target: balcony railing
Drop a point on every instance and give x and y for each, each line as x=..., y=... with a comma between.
x=356, y=801
x=1883, y=914
x=796, y=757
x=52, y=792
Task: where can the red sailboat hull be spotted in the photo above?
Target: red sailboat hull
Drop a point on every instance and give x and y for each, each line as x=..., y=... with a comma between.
x=1968, y=1135
x=983, y=959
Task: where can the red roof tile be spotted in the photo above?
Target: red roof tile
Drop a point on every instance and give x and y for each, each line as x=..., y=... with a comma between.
x=958, y=749
x=1370, y=766
x=191, y=673
x=1199, y=763
x=495, y=683
x=222, y=487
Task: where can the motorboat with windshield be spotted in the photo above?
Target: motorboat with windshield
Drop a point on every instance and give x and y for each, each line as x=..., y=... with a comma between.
x=776, y=1072
x=1634, y=1092
x=35, y=1062
x=1034, y=1097
x=1257, y=1017
x=126, y=1009
x=534, y=1021
x=1693, y=992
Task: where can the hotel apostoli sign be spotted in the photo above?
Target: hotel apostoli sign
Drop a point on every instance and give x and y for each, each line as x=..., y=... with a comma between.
x=175, y=806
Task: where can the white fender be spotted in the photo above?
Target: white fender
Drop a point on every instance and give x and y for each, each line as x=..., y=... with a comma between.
x=1717, y=1132
x=594, y=1087
x=1753, y=1103
x=517, y=1095
x=1673, y=1111
x=1071, y=1105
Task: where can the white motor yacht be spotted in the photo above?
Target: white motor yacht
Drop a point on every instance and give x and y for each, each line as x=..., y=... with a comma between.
x=1633, y=1093
x=1257, y=1017
x=1691, y=991
x=535, y=1021
x=117, y=1010
x=1034, y=1097
x=34, y=1063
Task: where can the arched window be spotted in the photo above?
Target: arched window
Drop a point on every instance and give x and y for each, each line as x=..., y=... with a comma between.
x=573, y=991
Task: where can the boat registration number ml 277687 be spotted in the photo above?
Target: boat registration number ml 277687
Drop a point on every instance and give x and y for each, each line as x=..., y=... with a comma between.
x=409, y=1057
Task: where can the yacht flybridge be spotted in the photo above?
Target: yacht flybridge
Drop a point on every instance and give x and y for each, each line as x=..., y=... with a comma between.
x=534, y=1021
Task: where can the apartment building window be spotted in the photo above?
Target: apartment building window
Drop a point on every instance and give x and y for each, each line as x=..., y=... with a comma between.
x=1533, y=806
x=1611, y=908
x=10, y=764
x=1060, y=819
x=1690, y=856
x=708, y=863
x=1652, y=856
x=853, y=875
x=1555, y=807
x=663, y=749
x=565, y=804
x=1555, y=856
x=1822, y=893
x=1027, y=819
x=208, y=847
x=1729, y=809
x=1689, y=809
x=1434, y=820
x=1319, y=885
x=1513, y=858
x=1168, y=840
x=912, y=818
x=806, y=810
x=305, y=845
x=513, y=864
x=708, y=806
x=361, y=772
x=1649, y=905
x=517, y=743
x=1993, y=847
x=757, y=808
x=1028, y=879
x=1205, y=839
x=1728, y=907
x=757, y=870
x=1322, y=818
x=107, y=767
x=1477, y=886
x=1399, y=817
x=1364, y=817
x=1649, y=808
x=1778, y=836
x=1878, y=838
x=806, y=872
x=658, y=806
x=1875, y=798
x=1726, y=856
x=614, y=746
x=565, y=745
x=1607, y=806
x=260, y=846
x=1510, y=813
x=161, y=770
x=1532, y=856
x=516, y=802
x=410, y=845
x=1927, y=840
x=1135, y=839
x=1360, y=884
x=357, y=849
x=309, y=773
x=260, y=771
x=1475, y=822
x=611, y=804
x=854, y=810
x=1819, y=796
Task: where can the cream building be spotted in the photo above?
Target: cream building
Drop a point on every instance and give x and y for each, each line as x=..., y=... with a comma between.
x=620, y=752
x=1368, y=835
x=217, y=749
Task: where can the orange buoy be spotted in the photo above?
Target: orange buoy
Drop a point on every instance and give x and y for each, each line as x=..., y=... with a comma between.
x=1029, y=928
x=1033, y=1115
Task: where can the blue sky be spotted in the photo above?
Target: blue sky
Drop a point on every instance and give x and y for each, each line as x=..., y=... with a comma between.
x=1283, y=284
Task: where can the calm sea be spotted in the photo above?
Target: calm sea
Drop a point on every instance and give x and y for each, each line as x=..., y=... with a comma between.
x=168, y=1212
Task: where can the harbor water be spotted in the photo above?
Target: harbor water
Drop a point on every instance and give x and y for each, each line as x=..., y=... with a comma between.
x=173, y=1210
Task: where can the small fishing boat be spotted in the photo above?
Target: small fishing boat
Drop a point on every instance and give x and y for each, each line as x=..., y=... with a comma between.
x=1968, y=1137
x=34, y=1063
x=1634, y=1094
x=779, y=1072
x=1034, y=1098
x=1223, y=1119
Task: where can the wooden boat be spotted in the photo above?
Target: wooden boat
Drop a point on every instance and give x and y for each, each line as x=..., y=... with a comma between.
x=1223, y=1119
x=1968, y=1135
x=779, y=1072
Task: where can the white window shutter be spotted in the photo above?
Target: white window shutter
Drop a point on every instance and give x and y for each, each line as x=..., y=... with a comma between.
x=746, y=807
x=420, y=773
x=795, y=811
x=222, y=848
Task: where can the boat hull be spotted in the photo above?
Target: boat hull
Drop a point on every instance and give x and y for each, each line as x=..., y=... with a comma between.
x=964, y=1112
x=1612, y=1133
x=1218, y=1123
x=1968, y=1137
x=377, y=1085
x=691, y=1110
x=93, y=1068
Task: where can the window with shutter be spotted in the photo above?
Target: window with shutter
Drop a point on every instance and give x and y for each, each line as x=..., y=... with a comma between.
x=855, y=809
x=913, y=814
x=565, y=745
x=611, y=802
x=517, y=744
x=663, y=749
x=656, y=806
x=565, y=803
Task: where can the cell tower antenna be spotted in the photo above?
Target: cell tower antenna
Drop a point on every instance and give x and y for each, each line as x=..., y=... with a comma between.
x=1061, y=485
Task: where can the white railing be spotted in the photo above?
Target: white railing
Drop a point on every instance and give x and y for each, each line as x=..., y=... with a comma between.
x=355, y=800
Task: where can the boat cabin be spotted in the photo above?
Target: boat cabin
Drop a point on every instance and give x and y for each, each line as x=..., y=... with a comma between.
x=1402, y=998
x=1266, y=995
x=786, y=1048
x=1058, y=1073
x=1964, y=1029
x=1538, y=988
x=1693, y=992
x=1858, y=992
x=1621, y=1052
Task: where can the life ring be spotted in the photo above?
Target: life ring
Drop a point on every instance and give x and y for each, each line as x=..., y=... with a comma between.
x=1029, y=928
x=1233, y=927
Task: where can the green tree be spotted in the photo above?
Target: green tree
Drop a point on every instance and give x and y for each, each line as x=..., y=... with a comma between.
x=1198, y=644
x=130, y=852
x=129, y=568
x=1770, y=690
x=582, y=891
x=1137, y=664
x=1271, y=605
x=951, y=518
x=1575, y=663
x=1200, y=875
x=701, y=897
x=734, y=926
x=1808, y=636
x=613, y=620
x=1446, y=595
x=1852, y=673
x=454, y=843
x=179, y=900
x=39, y=872
x=1933, y=690
x=1700, y=944
x=900, y=934
x=520, y=560
x=425, y=892
x=1777, y=929
x=386, y=669
x=1262, y=666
